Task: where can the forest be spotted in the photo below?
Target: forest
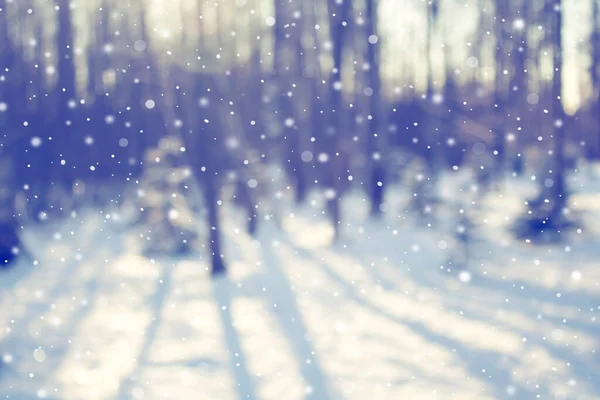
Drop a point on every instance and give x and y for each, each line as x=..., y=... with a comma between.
x=265, y=199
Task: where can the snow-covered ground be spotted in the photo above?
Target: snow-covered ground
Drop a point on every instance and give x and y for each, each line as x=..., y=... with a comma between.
x=374, y=316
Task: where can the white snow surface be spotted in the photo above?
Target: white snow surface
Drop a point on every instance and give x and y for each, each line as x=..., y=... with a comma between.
x=373, y=316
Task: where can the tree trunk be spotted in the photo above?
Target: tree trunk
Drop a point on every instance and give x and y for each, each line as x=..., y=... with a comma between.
x=558, y=114
x=246, y=200
x=518, y=97
x=288, y=56
x=433, y=106
x=500, y=86
x=339, y=14
x=211, y=192
x=65, y=91
x=376, y=140
x=9, y=239
x=9, y=142
x=594, y=141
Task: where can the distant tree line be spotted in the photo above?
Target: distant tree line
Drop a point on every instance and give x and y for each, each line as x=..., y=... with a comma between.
x=314, y=101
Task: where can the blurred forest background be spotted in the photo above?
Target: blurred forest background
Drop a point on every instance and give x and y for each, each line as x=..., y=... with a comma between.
x=335, y=95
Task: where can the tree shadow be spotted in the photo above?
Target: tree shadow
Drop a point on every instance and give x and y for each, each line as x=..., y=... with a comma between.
x=495, y=363
x=244, y=381
x=66, y=272
x=199, y=362
x=19, y=339
x=525, y=301
x=14, y=395
x=157, y=304
x=292, y=324
x=481, y=364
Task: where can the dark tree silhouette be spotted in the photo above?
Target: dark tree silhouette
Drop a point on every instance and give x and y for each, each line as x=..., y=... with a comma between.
x=339, y=13
x=376, y=130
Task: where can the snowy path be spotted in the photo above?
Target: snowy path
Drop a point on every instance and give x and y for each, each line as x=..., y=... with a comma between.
x=376, y=318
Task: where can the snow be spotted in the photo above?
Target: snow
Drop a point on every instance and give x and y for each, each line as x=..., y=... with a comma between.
x=378, y=315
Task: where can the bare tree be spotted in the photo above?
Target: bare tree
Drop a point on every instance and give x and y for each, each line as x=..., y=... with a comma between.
x=376, y=130
x=339, y=13
x=595, y=76
x=559, y=191
x=10, y=142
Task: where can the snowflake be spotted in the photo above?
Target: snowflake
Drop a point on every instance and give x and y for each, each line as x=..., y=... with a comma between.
x=173, y=214
x=464, y=276
x=330, y=194
x=36, y=141
x=472, y=62
x=306, y=156
x=437, y=98
x=108, y=48
x=233, y=143
x=519, y=24
x=140, y=45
